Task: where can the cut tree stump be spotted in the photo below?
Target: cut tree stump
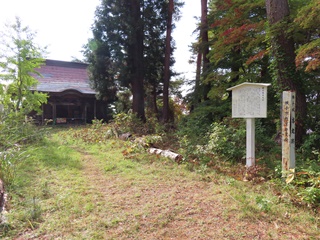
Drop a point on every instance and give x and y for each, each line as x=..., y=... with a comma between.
x=166, y=153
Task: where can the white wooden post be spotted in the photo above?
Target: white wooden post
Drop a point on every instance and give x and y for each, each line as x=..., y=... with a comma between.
x=250, y=151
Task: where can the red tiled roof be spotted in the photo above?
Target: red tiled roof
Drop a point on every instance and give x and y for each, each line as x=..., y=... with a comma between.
x=58, y=76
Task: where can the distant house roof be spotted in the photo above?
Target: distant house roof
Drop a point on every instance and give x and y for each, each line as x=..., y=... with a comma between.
x=59, y=76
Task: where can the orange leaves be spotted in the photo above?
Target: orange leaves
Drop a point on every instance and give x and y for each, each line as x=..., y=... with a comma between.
x=239, y=34
x=238, y=26
x=308, y=56
x=257, y=56
x=227, y=32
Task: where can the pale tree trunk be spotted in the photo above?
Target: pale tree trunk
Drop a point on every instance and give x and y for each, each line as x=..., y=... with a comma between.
x=166, y=153
x=166, y=80
x=284, y=54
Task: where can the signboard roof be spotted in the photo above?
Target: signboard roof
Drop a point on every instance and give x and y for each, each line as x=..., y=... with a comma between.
x=249, y=84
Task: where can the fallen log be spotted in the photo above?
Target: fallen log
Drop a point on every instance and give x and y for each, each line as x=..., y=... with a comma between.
x=166, y=153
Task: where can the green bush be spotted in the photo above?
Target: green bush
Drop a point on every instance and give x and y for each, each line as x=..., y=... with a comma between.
x=16, y=130
x=227, y=140
x=307, y=179
x=8, y=163
x=129, y=122
x=310, y=147
x=192, y=128
x=311, y=195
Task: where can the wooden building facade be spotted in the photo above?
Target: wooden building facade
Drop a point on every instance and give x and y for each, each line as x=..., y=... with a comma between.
x=71, y=100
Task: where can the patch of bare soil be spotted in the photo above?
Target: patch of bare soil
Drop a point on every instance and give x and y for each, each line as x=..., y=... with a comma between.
x=179, y=208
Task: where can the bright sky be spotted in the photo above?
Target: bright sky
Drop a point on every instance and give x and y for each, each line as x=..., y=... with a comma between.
x=64, y=26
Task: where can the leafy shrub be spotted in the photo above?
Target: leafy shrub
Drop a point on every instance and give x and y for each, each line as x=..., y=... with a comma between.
x=310, y=147
x=129, y=122
x=16, y=130
x=227, y=140
x=311, y=195
x=263, y=203
x=307, y=180
x=8, y=161
x=192, y=128
x=192, y=132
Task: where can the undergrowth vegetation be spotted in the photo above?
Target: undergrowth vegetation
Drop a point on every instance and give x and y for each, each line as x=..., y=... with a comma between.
x=221, y=146
x=124, y=193
x=16, y=131
x=219, y=149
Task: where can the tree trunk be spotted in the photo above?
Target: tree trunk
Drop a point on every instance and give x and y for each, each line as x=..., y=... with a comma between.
x=205, y=46
x=166, y=80
x=284, y=55
x=197, y=94
x=154, y=100
x=137, y=61
x=151, y=100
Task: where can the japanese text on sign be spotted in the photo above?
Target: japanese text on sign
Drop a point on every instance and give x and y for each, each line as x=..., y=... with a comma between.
x=249, y=102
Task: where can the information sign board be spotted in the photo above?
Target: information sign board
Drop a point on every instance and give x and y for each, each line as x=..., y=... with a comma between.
x=249, y=100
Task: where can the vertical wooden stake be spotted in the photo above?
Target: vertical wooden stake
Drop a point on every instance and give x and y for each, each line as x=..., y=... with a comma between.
x=250, y=155
x=288, y=133
x=292, y=163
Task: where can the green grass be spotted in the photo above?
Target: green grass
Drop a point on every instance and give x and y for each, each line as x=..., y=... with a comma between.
x=68, y=189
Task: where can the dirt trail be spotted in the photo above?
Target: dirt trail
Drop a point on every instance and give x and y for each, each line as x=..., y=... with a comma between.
x=178, y=208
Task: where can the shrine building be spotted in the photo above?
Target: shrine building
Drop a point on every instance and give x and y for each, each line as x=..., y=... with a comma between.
x=71, y=100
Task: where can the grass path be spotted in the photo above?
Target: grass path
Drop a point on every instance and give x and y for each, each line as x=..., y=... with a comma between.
x=68, y=191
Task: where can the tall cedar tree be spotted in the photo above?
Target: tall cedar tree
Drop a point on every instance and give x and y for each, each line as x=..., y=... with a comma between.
x=115, y=53
x=166, y=80
x=127, y=50
x=135, y=52
x=205, y=46
x=155, y=24
x=202, y=89
x=283, y=52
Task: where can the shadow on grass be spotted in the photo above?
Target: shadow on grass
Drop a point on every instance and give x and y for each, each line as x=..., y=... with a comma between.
x=54, y=155
x=44, y=158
